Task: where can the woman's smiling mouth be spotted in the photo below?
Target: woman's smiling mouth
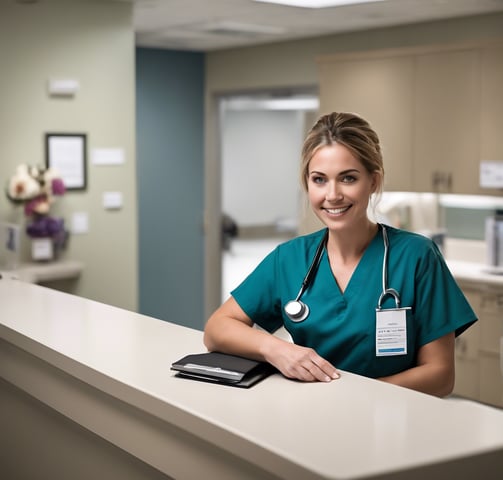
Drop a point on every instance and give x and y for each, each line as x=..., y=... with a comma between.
x=337, y=211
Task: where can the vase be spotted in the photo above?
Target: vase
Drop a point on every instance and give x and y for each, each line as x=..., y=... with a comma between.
x=42, y=249
x=10, y=242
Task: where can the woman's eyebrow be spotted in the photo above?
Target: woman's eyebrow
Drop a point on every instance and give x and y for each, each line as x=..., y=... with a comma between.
x=344, y=172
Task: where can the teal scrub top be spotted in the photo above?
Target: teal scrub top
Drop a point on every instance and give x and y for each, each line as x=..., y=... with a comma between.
x=341, y=327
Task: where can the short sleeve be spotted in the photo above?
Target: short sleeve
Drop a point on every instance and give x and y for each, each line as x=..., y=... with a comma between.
x=258, y=295
x=441, y=306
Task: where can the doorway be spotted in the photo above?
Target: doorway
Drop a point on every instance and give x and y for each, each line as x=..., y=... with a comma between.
x=261, y=137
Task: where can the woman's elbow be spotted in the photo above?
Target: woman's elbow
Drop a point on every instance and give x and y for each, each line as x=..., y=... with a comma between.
x=208, y=340
x=446, y=385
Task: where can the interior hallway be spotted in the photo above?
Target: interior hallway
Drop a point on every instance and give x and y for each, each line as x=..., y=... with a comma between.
x=242, y=257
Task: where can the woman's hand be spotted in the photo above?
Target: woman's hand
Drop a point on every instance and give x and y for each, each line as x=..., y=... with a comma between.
x=230, y=330
x=300, y=363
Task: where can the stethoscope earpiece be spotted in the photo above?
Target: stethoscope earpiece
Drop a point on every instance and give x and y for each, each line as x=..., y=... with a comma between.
x=296, y=310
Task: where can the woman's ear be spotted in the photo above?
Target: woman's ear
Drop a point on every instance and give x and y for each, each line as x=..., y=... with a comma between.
x=377, y=179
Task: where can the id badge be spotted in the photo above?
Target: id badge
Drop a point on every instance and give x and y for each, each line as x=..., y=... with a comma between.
x=391, y=331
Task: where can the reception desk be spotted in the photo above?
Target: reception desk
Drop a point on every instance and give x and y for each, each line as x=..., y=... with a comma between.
x=87, y=386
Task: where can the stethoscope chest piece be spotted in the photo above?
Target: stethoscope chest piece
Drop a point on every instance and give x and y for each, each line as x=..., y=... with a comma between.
x=296, y=310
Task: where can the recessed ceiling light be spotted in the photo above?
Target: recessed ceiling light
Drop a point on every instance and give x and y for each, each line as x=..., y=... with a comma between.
x=317, y=3
x=310, y=103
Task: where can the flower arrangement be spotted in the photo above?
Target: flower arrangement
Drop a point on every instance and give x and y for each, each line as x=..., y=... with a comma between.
x=35, y=188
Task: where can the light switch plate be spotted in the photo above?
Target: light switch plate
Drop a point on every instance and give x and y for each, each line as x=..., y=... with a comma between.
x=112, y=200
x=491, y=174
x=80, y=222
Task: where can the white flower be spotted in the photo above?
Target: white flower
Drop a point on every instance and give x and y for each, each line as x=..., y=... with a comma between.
x=22, y=186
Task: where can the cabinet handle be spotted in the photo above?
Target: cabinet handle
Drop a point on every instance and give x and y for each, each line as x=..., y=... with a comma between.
x=441, y=180
x=492, y=303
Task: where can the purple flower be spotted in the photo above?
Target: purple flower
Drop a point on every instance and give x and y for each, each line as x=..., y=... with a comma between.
x=38, y=205
x=45, y=226
x=58, y=187
x=49, y=227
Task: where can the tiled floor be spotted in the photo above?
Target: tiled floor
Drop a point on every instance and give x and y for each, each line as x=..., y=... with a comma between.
x=242, y=258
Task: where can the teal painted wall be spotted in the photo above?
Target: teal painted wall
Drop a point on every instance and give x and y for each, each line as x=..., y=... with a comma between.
x=170, y=169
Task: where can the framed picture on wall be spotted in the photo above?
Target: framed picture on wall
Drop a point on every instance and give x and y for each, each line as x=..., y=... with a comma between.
x=67, y=153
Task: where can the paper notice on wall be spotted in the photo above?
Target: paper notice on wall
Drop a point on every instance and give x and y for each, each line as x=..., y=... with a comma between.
x=108, y=156
x=491, y=174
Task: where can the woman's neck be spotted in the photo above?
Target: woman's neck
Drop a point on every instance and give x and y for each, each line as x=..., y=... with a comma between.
x=348, y=246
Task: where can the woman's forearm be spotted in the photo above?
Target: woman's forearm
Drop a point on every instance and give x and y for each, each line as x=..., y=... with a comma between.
x=434, y=373
x=237, y=339
x=433, y=379
x=228, y=335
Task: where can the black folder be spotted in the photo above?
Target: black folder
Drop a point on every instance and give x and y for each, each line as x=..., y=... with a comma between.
x=222, y=368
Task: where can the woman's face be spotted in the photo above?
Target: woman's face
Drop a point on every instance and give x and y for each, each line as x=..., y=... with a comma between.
x=339, y=187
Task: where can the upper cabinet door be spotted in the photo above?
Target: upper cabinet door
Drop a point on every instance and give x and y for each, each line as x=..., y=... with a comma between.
x=380, y=90
x=438, y=111
x=446, y=122
x=491, y=108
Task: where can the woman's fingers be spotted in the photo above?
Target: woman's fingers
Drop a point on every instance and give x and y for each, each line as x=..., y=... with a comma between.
x=320, y=370
x=305, y=364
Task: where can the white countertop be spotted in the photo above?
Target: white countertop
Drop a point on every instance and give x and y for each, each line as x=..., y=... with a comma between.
x=350, y=428
x=477, y=273
x=38, y=272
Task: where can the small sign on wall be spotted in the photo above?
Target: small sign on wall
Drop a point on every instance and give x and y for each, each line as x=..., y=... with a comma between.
x=108, y=156
x=491, y=174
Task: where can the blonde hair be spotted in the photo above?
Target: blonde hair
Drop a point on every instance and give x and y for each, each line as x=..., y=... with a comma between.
x=354, y=133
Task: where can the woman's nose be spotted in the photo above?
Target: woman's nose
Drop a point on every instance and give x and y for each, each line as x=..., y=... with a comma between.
x=333, y=193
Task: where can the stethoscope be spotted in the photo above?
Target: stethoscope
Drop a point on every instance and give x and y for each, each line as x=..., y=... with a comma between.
x=297, y=311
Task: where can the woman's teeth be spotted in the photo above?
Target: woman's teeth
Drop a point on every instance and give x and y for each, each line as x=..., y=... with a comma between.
x=335, y=211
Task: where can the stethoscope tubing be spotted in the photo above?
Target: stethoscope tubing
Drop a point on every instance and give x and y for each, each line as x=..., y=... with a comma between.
x=385, y=290
x=298, y=311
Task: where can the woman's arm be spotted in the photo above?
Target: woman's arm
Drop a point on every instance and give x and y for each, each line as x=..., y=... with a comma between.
x=434, y=373
x=230, y=330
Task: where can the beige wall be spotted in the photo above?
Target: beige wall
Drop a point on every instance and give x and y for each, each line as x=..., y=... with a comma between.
x=293, y=64
x=94, y=43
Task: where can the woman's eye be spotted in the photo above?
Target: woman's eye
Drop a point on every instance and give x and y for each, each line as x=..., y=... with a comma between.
x=348, y=179
x=318, y=180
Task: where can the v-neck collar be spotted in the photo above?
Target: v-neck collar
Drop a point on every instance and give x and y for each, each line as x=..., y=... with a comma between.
x=375, y=249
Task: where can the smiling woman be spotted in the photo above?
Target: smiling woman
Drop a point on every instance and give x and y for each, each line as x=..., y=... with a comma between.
x=382, y=301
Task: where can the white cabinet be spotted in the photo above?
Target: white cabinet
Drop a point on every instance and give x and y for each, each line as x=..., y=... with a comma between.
x=446, y=122
x=437, y=110
x=491, y=112
x=467, y=355
x=491, y=377
x=478, y=372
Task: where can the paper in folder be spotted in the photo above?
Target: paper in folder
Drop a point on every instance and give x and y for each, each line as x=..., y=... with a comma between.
x=222, y=368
